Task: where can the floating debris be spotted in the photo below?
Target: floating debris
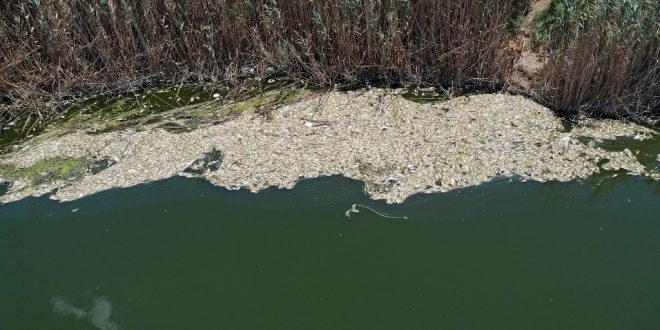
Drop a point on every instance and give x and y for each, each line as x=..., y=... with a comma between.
x=315, y=123
x=354, y=209
x=50, y=174
x=565, y=144
x=426, y=147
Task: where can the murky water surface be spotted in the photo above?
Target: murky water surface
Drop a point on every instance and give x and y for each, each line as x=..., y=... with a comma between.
x=183, y=254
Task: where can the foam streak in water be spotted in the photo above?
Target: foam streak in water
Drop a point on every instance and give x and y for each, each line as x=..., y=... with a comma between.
x=99, y=315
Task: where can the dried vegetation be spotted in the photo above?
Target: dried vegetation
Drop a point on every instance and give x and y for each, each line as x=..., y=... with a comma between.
x=54, y=50
x=604, y=58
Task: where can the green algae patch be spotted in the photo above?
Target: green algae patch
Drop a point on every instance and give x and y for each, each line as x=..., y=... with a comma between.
x=102, y=109
x=177, y=109
x=646, y=151
x=46, y=170
x=54, y=169
x=268, y=101
x=189, y=118
x=428, y=95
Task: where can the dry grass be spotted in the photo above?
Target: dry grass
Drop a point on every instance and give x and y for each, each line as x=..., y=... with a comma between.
x=607, y=60
x=55, y=49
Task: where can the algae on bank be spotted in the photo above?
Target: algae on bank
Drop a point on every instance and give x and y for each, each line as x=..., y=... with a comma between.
x=50, y=171
x=186, y=107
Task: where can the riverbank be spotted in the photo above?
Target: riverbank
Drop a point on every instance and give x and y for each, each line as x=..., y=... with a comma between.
x=397, y=147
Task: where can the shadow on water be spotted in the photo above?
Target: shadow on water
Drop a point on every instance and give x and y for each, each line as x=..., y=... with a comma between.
x=596, y=186
x=333, y=190
x=4, y=186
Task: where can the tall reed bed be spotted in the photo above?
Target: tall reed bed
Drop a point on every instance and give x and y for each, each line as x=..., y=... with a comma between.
x=53, y=48
x=606, y=59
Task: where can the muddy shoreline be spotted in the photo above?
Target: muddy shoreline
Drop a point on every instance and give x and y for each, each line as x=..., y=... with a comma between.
x=396, y=146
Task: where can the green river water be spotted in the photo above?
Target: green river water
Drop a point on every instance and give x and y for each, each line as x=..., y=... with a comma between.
x=183, y=254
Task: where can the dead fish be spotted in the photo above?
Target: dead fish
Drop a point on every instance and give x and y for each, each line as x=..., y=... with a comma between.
x=566, y=142
x=392, y=180
x=315, y=123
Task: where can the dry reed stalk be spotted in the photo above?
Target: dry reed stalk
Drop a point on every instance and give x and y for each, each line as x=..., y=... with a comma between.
x=54, y=49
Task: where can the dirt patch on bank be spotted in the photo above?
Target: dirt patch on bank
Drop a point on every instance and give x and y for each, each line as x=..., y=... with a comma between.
x=530, y=62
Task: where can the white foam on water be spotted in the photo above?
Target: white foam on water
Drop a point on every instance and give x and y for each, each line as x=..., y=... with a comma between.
x=98, y=315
